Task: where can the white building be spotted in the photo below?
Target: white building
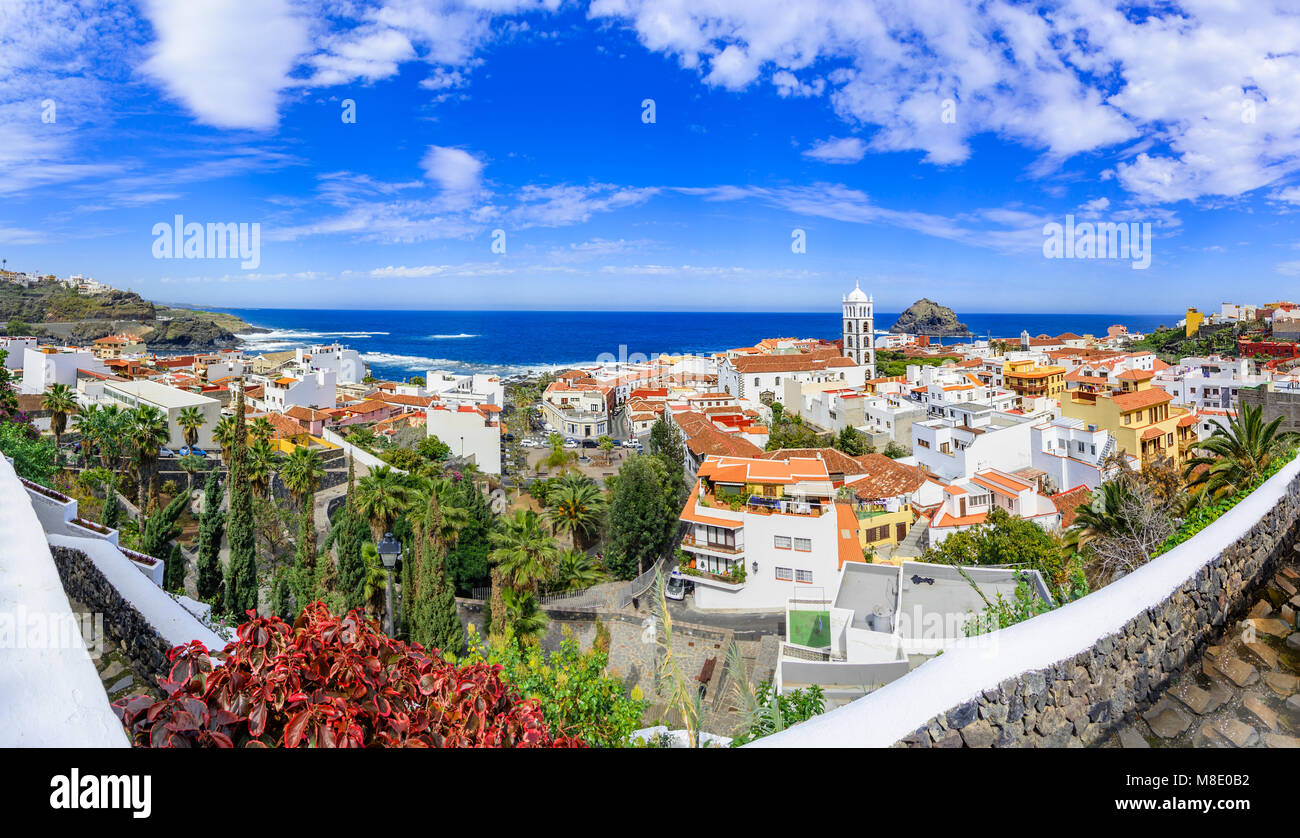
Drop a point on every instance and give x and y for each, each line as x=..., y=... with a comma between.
x=859, y=333
x=1210, y=382
x=968, y=502
x=764, y=531
x=169, y=400
x=972, y=438
x=1070, y=453
x=470, y=431
x=345, y=363
x=462, y=388
x=315, y=389
x=43, y=368
x=15, y=347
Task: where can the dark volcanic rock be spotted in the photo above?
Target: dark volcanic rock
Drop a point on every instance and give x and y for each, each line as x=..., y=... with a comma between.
x=926, y=317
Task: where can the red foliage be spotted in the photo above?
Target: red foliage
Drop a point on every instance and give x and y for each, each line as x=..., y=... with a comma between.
x=330, y=682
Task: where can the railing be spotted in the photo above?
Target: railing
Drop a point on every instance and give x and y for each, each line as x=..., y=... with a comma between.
x=692, y=541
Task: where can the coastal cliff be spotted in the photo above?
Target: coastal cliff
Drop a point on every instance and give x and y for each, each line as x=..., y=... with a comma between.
x=926, y=317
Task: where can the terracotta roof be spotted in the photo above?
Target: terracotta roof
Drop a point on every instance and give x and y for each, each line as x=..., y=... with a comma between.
x=283, y=427
x=790, y=363
x=837, y=462
x=255, y=392
x=1188, y=419
x=758, y=470
x=1153, y=433
x=703, y=438
x=1068, y=503
x=1140, y=399
x=1135, y=375
x=886, y=478
x=846, y=525
x=368, y=406
x=306, y=414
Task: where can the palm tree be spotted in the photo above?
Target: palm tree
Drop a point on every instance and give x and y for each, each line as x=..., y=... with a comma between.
x=146, y=432
x=261, y=428
x=261, y=465
x=89, y=420
x=381, y=496
x=523, y=551
x=575, y=506
x=1237, y=455
x=526, y=618
x=452, y=519
x=576, y=571
x=190, y=420
x=1108, y=522
x=375, y=581
x=110, y=426
x=302, y=472
x=606, y=446
x=59, y=402
x=224, y=434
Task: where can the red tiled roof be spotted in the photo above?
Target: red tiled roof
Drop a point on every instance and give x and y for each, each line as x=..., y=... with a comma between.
x=1069, y=501
x=1140, y=399
x=702, y=438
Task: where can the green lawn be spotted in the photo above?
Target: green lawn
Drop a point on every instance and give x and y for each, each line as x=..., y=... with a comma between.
x=810, y=628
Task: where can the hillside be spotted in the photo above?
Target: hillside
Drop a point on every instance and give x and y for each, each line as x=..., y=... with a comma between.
x=52, y=311
x=926, y=317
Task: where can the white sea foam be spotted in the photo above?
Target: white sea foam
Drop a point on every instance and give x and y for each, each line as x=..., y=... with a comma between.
x=452, y=337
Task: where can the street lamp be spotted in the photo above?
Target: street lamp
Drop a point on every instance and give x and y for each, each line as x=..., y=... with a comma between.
x=390, y=550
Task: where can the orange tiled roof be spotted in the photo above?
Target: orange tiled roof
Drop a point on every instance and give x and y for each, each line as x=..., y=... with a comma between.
x=1068, y=503
x=846, y=524
x=1140, y=399
x=702, y=438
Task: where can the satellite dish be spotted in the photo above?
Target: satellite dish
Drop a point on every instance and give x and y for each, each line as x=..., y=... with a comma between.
x=498, y=501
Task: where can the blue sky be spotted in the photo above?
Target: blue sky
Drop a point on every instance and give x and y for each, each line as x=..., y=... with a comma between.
x=920, y=146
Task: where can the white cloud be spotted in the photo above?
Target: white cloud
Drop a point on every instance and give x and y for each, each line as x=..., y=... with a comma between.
x=558, y=206
x=454, y=170
x=227, y=61
x=837, y=150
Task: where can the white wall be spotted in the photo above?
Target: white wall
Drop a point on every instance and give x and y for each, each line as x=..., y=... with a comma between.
x=466, y=433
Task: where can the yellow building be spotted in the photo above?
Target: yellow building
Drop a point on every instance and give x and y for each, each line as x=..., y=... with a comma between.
x=880, y=529
x=1030, y=381
x=1138, y=415
x=1194, y=321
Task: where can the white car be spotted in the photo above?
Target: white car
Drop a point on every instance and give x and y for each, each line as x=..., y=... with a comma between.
x=676, y=588
x=570, y=443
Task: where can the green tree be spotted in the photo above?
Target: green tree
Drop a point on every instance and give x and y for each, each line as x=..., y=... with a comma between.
x=467, y=557
x=431, y=599
x=642, y=516
x=212, y=522
x=147, y=434
x=571, y=686
x=576, y=571
x=161, y=528
x=304, y=562
x=523, y=551
x=1236, y=455
x=381, y=497
x=60, y=402
x=1005, y=539
x=525, y=619
x=853, y=442
x=33, y=457
x=261, y=464
x=576, y=507
x=225, y=436
x=348, y=545
x=893, y=450
x=433, y=449
x=302, y=472
x=241, y=570
x=190, y=464
x=174, y=570
x=112, y=510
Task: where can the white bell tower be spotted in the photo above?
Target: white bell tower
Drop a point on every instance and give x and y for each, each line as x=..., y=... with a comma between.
x=859, y=333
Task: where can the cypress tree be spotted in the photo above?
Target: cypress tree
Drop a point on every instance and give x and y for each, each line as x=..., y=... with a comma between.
x=174, y=572
x=241, y=572
x=212, y=524
x=112, y=510
x=282, y=595
x=431, y=599
x=351, y=538
x=161, y=528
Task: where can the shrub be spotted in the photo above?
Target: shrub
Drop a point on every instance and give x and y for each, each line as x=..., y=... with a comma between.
x=330, y=681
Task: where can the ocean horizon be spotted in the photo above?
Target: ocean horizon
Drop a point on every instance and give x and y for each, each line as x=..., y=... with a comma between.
x=398, y=344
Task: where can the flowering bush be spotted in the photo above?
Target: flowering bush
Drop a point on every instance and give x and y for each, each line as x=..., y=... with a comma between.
x=329, y=682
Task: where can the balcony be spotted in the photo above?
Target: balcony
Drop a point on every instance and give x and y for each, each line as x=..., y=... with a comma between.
x=692, y=543
x=761, y=505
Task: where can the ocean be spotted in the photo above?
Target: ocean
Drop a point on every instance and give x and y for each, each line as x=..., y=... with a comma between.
x=400, y=344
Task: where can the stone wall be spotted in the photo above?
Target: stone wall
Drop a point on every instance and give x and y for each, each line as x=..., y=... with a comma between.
x=1081, y=700
x=1275, y=404
x=141, y=642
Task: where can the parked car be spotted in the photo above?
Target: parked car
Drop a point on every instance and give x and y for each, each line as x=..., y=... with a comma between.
x=510, y=437
x=198, y=452
x=166, y=452
x=570, y=443
x=589, y=443
x=676, y=588
x=631, y=442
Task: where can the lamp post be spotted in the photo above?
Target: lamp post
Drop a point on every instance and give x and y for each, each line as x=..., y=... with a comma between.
x=390, y=550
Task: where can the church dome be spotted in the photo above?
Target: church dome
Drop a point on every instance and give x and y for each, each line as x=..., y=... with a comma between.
x=857, y=296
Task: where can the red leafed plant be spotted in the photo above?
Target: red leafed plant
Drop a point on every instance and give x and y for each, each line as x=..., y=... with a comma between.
x=330, y=682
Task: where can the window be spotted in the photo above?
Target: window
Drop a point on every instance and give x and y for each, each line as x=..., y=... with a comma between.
x=781, y=542
x=784, y=574
x=755, y=381
x=804, y=576
x=1170, y=440
x=804, y=544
